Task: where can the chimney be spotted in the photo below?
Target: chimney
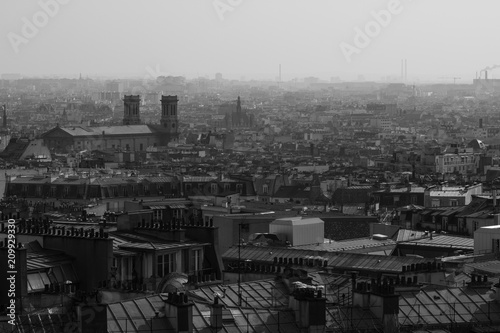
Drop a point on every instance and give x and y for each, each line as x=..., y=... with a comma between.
x=497, y=291
x=216, y=314
x=486, y=75
x=382, y=302
x=494, y=196
x=179, y=312
x=93, y=318
x=309, y=305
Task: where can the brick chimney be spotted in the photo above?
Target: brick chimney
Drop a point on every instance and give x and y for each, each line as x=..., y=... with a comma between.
x=309, y=306
x=497, y=291
x=381, y=300
x=179, y=312
x=92, y=318
x=216, y=314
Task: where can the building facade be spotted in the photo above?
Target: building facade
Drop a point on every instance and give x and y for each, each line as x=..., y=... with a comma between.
x=131, y=136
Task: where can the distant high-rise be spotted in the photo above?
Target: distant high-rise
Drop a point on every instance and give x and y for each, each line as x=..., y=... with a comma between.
x=218, y=76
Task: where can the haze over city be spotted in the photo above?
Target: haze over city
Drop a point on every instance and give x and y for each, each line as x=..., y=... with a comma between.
x=249, y=39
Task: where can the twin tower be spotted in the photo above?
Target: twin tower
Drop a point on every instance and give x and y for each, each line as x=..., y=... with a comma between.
x=169, y=116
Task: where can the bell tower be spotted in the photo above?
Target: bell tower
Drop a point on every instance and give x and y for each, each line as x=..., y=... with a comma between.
x=131, y=114
x=169, y=117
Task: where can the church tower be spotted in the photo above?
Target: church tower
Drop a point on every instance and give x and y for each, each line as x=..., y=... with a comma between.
x=237, y=114
x=169, y=117
x=131, y=115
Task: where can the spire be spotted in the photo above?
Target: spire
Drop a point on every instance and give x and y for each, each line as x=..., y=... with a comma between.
x=238, y=105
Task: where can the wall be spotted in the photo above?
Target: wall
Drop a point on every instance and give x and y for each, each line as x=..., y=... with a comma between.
x=485, y=238
x=93, y=257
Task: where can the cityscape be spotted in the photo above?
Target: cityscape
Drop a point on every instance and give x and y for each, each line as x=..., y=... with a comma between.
x=237, y=166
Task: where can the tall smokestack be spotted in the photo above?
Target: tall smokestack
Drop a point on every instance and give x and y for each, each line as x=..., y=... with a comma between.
x=280, y=73
x=480, y=122
x=486, y=75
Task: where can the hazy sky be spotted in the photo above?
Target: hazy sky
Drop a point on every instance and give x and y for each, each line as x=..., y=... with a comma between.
x=440, y=38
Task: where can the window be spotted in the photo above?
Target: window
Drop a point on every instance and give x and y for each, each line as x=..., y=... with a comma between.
x=435, y=203
x=413, y=199
x=227, y=187
x=195, y=264
x=239, y=188
x=453, y=202
x=476, y=225
x=213, y=188
x=166, y=263
x=158, y=214
x=265, y=189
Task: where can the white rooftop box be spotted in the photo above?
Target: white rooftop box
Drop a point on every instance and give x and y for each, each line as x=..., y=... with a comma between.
x=299, y=231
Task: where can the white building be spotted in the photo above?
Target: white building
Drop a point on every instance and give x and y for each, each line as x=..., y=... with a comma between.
x=299, y=231
x=462, y=163
x=487, y=239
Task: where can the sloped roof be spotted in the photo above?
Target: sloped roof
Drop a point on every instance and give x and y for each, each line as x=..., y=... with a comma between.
x=336, y=260
x=447, y=306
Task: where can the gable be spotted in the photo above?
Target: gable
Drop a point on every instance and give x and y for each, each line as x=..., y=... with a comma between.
x=55, y=133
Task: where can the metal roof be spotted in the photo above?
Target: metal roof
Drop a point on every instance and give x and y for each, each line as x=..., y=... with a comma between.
x=447, y=241
x=443, y=306
x=160, y=246
x=108, y=130
x=363, y=245
x=337, y=260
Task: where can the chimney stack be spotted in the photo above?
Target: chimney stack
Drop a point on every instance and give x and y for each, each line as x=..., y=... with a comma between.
x=97, y=322
x=382, y=301
x=494, y=196
x=179, y=312
x=216, y=314
x=309, y=305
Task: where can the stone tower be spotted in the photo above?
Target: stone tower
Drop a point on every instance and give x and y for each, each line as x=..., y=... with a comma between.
x=131, y=114
x=169, y=116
